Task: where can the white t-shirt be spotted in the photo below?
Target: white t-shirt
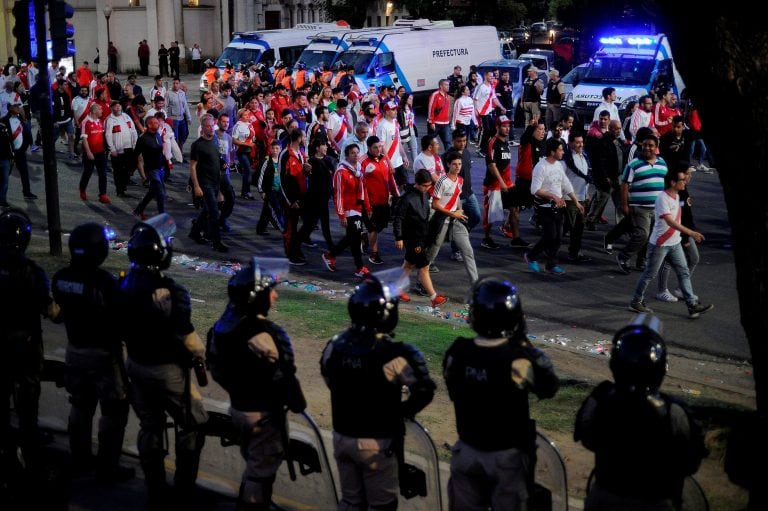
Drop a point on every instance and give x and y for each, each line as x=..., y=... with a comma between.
x=578, y=183
x=431, y=162
x=551, y=178
x=389, y=134
x=663, y=235
x=448, y=192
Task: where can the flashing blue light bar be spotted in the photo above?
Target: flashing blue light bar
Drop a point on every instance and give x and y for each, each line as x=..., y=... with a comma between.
x=631, y=41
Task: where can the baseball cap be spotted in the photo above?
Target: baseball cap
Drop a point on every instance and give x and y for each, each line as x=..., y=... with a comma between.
x=389, y=106
x=502, y=119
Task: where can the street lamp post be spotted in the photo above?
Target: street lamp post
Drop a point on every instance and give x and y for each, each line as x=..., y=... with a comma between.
x=107, y=13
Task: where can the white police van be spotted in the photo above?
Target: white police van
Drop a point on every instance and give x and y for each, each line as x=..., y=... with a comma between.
x=633, y=64
x=418, y=57
x=269, y=46
x=325, y=47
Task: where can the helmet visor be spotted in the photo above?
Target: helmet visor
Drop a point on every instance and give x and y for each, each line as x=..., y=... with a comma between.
x=268, y=271
x=163, y=224
x=393, y=281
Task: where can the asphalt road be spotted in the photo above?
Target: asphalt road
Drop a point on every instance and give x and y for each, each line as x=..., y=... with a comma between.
x=593, y=295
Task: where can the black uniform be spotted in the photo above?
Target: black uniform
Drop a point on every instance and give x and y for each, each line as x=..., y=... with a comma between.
x=365, y=374
x=155, y=314
x=488, y=381
x=252, y=358
x=95, y=371
x=24, y=299
x=644, y=445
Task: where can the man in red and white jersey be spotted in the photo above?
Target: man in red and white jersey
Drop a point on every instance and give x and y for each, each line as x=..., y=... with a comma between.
x=94, y=153
x=381, y=188
x=429, y=158
x=338, y=126
x=485, y=101
x=351, y=203
x=449, y=217
x=388, y=132
x=439, y=114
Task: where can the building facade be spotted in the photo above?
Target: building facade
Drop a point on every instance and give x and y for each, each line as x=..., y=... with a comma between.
x=209, y=23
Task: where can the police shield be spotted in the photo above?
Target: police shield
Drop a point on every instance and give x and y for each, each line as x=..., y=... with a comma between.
x=305, y=479
x=419, y=471
x=693, y=496
x=550, y=492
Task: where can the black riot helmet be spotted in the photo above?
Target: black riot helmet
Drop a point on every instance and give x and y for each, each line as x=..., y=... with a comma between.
x=150, y=243
x=373, y=304
x=639, y=355
x=495, y=309
x=15, y=232
x=249, y=289
x=88, y=245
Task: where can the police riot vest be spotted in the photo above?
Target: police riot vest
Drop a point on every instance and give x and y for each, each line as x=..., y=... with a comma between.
x=553, y=95
x=87, y=300
x=644, y=445
x=530, y=94
x=23, y=299
x=154, y=335
x=491, y=411
x=364, y=403
x=253, y=382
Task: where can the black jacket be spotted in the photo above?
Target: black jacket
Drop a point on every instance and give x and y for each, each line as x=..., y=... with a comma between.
x=411, y=222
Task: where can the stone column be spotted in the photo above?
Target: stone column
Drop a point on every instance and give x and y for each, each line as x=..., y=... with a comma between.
x=153, y=36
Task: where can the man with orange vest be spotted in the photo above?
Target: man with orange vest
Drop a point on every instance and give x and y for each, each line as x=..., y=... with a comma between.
x=212, y=73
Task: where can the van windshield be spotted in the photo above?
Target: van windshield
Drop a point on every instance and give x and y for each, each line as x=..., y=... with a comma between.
x=360, y=59
x=314, y=58
x=238, y=56
x=623, y=69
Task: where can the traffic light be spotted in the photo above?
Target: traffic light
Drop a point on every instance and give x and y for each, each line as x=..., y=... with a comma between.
x=61, y=29
x=23, y=28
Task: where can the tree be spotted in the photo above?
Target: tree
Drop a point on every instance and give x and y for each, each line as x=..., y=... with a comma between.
x=429, y=9
x=353, y=12
x=722, y=53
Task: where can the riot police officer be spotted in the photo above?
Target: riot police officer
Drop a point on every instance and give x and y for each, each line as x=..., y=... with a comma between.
x=95, y=374
x=488, y=379
x=162, y=342
x=365, y=369
x=24, y=299
x=252, y=358
x=644, y=441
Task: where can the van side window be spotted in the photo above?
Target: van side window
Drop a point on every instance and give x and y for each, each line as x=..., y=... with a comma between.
x=268, y=58
x=386, y=62
x=290, y=54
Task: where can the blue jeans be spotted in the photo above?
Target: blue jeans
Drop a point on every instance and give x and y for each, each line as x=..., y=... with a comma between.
x=676, y=258
x=5, y=172
x=208, y=218
x=245, y=170
x=444, y=132
x=156, y=191
x=181, y=132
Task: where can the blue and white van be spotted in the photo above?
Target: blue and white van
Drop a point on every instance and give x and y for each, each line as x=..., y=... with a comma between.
x=418, y=57
x=269, y=46
x=633, y=64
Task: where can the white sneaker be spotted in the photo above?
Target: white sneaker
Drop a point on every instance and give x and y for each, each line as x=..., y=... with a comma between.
x=666, y=296
x=457, y=256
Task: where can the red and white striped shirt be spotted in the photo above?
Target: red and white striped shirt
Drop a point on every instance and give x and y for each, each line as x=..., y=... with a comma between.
x=389, y=134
